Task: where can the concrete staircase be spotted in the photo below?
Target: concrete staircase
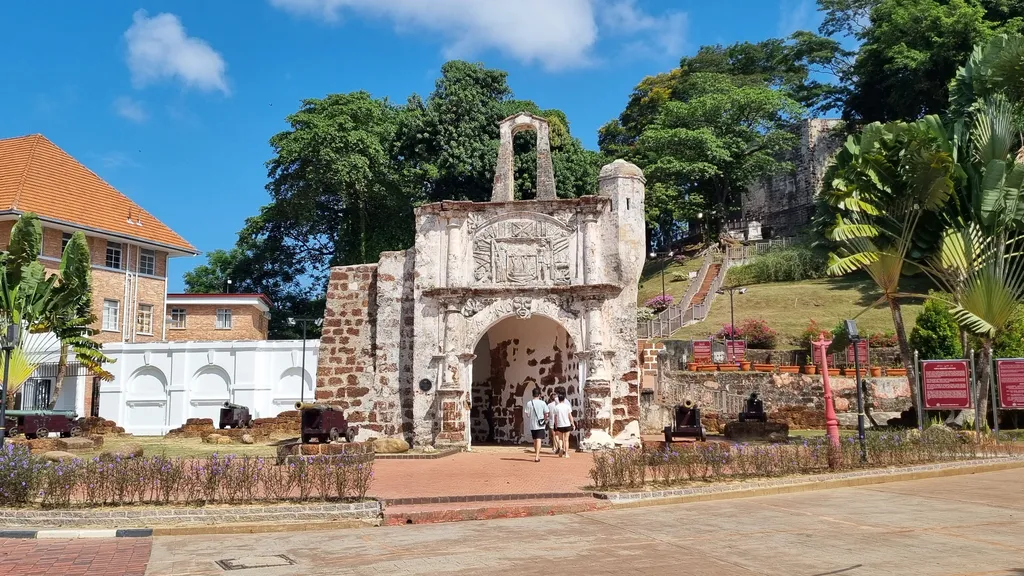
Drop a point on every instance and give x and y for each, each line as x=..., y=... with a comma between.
x=702, y=293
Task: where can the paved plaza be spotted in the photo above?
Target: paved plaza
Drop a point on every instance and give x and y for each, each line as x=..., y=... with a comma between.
x=961, y=525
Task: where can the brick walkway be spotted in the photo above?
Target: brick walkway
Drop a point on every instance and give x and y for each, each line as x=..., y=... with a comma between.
x=92, y=557
x=486, y=470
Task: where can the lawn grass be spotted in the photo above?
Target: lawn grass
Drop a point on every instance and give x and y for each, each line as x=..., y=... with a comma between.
x=650, y=279
x=188, y=447
x=788, y=307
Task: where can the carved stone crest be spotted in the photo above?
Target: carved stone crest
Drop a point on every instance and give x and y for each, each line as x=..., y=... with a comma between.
x=525, y=249
x=474, y=305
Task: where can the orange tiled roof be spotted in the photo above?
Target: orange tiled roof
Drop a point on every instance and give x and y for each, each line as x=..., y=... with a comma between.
x=37, y=176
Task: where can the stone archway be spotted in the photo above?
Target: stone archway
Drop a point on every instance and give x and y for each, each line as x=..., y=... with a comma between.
x=512, y=357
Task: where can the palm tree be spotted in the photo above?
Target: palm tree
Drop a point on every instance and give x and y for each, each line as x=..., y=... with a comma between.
x=52, y=311
x=878, y=208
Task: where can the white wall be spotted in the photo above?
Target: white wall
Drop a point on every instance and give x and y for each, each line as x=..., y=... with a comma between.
x=157, y=386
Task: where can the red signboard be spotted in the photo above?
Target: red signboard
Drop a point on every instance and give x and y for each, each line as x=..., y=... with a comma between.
x=701, y=349
x=735, y=350
x=947, y=384
x=816, y=355
x=1011, y=383
x=862, y=353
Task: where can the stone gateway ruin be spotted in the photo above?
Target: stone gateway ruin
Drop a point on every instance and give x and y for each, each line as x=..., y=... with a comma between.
x=441, y=344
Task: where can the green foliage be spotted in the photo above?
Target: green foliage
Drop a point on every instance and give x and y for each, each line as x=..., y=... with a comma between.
x=936, y=335
x=790, y=264
x=704, y=131
x=1009, y=343
x=811, y=334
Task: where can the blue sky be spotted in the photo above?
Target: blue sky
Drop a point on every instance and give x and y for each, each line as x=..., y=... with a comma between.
x=173, y=102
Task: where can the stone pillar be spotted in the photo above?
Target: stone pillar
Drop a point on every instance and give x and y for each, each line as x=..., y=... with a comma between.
x=451, y=394
x=597, y=388
x=591, y=250
x=452, y=267
x=545, y=169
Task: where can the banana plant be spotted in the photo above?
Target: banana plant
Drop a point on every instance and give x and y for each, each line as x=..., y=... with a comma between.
x=881, y=197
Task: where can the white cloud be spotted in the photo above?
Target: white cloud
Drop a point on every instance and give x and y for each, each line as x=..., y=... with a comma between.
x=795, y=15
x=114, y=160
x=159, y=48
x=557, y=34
x=665, y=33
x=131, y=109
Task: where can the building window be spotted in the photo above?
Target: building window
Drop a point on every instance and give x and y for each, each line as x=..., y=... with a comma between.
x=110, y=310
x=113, y=255
x=42, y=242
x=223, y=318
x=64, y=239
x=147, y=262
x=178, y=316
x=144, y=323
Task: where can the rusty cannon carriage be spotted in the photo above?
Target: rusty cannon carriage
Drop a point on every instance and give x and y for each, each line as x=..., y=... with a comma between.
x=686, y=423
x=754, y=410
x=40, y=423
x=325, y=423
x=234, y=416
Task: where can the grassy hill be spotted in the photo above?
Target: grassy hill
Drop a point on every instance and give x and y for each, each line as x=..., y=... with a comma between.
x=788, y=307
x=650, y=279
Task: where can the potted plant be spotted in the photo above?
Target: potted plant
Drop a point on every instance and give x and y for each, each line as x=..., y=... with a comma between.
x=895, y=371
x=728, y=367
x=810, y=369
x=833, y=371
x=876, y=371
x=691, y=366
x=764, y=367
x=745, y=365
x=784, y=369
x=706, y=368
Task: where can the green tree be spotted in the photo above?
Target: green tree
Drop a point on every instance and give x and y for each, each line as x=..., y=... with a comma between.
x=936, y=335
x=705, y=131
x=212, y=277
x=908, y=50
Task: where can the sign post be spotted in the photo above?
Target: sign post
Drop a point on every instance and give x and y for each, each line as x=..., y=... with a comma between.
x=861, y=351
x=977, y=393
x=945, y=385
x=735, y=350
x=917, y=388
x=701, y=350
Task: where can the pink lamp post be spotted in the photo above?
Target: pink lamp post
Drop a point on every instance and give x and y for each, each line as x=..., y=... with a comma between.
x=831, y=422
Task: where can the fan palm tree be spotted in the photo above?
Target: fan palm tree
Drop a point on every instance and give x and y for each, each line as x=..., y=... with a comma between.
x=880, y=199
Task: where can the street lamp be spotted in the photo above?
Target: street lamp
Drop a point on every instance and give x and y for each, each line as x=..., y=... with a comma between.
x=229, y=286
x=10, y=342
x=831, y=422
x=302, y=377
x=654, y=255
x=851, y=330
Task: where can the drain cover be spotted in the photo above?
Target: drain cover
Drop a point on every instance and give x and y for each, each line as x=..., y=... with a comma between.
x=247, y=562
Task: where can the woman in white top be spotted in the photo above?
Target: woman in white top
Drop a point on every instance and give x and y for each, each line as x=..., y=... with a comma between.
x=564, y=423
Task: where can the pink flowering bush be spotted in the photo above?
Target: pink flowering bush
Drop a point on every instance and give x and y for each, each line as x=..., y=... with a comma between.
x=758, y=334
x=659, y=303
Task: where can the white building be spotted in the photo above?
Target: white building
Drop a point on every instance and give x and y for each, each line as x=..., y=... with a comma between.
x=157, y=386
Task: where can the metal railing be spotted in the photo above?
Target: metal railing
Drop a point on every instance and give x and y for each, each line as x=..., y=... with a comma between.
x=679, y=314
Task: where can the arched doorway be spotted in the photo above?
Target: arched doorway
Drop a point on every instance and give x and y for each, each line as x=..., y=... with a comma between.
x=513, y=357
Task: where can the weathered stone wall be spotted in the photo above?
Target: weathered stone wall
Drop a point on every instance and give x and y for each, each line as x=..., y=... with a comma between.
x=345, y=372
x=785, y=201
x=885, y=397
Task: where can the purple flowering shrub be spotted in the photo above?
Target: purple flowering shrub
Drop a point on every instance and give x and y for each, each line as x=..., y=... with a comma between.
x=717, y=461
x=217, y=479
x=660, y=302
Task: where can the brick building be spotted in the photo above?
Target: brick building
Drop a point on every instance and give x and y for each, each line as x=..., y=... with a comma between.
x=217, y=317
x=129, y=246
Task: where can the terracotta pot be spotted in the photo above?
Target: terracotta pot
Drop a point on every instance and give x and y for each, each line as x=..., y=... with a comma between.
x=707, y=368
x=691, y=366
x=764, y=367
x=728, y=368
x=895, y=371
x=810, y=369
x=876, y=371
x=789, y=369
x=833, y=371
x=745, y=366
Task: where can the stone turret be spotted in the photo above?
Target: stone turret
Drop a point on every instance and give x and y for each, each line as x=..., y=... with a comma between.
x=504, y=173
x=623, y=183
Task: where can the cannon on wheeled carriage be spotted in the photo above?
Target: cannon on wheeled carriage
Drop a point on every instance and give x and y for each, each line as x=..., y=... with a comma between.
x=39, y=423
x=325, y=423
x=686, y=423
x=754, y=411
x=234, y=416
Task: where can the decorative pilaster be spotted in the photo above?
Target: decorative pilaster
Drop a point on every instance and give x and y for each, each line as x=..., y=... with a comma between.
x=454, y=251
x=591, y=246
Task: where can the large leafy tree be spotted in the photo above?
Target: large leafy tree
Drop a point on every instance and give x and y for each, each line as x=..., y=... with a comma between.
x=879, y=204
x=705, y=131
x=908, y=50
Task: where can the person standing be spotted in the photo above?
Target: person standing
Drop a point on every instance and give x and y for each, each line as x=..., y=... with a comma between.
x=536, y=415
x=552, y=403
x=564, y=423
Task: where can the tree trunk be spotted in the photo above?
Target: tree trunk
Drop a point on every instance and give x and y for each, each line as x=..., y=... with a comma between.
x=905, y=353
x=62, y=370
x=984, y=379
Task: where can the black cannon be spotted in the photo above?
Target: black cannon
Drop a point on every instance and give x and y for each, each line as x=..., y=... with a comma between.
x=754, y=411
x=39, y=423
x=325, y=423
x=686, y=424
x=234, y=416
